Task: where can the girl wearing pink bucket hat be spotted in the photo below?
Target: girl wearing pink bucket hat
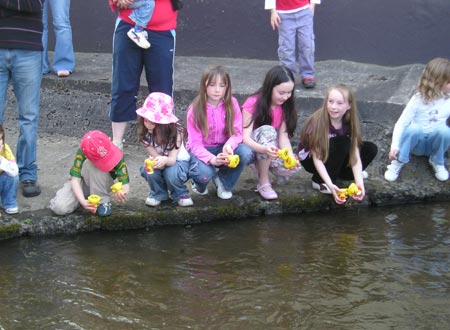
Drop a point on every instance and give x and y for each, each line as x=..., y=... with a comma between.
x=162, y=135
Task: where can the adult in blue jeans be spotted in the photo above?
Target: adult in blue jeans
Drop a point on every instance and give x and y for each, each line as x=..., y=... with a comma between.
x=21, y=64
x=63, y=57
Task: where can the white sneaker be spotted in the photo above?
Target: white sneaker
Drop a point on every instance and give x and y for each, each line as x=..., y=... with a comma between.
x=364, y=174
x=393, y=170
x=185, y=201
x=197, y=191
x=139, y=38
x=221, y=192
x=12, y=210
x=440, y=172
x=322, y=187
x=150, y=201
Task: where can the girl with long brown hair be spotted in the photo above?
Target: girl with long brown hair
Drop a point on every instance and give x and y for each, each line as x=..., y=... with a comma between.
x=331, y=145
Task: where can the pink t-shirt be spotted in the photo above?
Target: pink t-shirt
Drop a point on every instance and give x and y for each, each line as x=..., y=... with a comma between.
x=277, y=113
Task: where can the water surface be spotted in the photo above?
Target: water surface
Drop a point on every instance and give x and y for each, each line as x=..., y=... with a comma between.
x=374, y=269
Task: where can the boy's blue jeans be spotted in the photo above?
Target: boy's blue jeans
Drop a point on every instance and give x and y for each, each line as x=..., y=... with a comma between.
x=8, y=190
x=202, y=173
x=433, y=145
x=169, y=180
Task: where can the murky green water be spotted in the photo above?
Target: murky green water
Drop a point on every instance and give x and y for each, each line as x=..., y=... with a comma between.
x=377, y=269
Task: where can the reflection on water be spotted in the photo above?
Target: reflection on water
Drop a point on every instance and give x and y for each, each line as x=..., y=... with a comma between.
x=377, y=269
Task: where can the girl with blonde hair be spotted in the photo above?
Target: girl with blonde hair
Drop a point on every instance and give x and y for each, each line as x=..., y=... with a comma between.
x=421, y=129
x=331, y=145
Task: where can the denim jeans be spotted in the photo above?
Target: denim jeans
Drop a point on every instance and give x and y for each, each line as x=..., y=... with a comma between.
x=8, y=190
x=63, y=57
x=143, y=12
x=169, y=180
x=202, y=173
x=296, y=42
x=433, y=145
x=24, y=69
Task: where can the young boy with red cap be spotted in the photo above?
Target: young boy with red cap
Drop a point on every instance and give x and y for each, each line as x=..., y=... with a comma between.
x=97, y=164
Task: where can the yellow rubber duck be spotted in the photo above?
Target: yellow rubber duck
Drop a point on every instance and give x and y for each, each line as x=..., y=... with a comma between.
x=233, y=161
x=94, y=199
x=117, y=187
x=289, y=161
x=351, y=191
x=149, y=163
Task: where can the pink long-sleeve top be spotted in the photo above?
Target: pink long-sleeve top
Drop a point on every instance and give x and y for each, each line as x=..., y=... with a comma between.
x=197, y=143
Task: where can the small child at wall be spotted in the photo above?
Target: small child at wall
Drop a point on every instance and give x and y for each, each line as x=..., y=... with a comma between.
x=162, y=136
x=331, y=145
x=9, y=179
x=421, y=129
x=98, y=162
x=141, y=15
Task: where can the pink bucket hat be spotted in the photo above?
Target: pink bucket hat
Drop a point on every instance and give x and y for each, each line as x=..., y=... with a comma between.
x=98, y=148
x=158, y=108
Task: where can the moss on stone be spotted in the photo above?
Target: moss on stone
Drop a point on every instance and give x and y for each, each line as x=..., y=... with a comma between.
x=228, y=212
x=307, y=203
x=10, y=231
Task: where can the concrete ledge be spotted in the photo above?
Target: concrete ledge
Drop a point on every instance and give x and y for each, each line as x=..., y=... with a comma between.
x=71, y=106
x=80, y=102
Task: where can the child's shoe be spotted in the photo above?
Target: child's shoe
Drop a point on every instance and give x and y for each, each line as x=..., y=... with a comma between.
x=185, y=201
x=197, y=191
x=266, y=191
x=440, y=172
x=221, y=192
x=104, y=210
x=139, y=38
x=393, y=170
x=150, y=201
x=12, y=210
x=322, y=187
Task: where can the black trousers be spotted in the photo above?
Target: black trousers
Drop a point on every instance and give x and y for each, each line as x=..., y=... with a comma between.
x=338, y=157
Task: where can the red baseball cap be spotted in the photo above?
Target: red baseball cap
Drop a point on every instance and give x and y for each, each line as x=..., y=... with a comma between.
x=98, y=148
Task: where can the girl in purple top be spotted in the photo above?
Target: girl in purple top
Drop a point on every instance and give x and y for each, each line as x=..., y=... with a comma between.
x=331, y=145
x=270, y=120
x=214, y=125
